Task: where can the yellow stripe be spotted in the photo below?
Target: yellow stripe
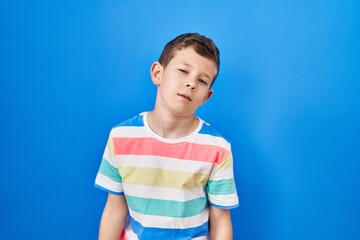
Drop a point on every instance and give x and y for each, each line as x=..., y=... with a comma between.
x=228, y=162
x=162, y=178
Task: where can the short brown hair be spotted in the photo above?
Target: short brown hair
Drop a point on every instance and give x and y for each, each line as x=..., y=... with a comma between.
x=202, y=45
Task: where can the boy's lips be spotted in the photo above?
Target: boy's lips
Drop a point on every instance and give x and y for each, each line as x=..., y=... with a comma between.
x=185, y=96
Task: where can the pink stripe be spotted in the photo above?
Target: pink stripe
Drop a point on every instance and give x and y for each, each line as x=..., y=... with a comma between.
x=185, y=150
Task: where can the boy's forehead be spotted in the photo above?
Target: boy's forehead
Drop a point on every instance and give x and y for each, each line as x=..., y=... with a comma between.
x=187, y=54
x=186, y=50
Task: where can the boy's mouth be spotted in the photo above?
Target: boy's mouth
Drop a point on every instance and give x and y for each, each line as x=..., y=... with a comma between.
x=185, y=96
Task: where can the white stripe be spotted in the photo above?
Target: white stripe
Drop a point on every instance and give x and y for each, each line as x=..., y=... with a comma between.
x=110, y=158
x=201, y=238
x=108, y=183
x=163, y=193
x=222, y=174
x=174, y=164
x=130, y=234
x=170, y=222
x=211, y=140
x=227, y=200
x=107, y=154
x=141, y=132
x=129, y=132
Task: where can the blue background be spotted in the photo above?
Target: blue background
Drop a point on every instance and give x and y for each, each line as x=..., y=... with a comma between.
x=287, y=97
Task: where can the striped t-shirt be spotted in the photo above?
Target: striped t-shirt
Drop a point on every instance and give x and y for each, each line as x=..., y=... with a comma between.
x=168, y=183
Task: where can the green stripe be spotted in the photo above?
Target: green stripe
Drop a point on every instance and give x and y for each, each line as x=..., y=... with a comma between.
x=220, y=187
x=167, y=208
x=108, y=170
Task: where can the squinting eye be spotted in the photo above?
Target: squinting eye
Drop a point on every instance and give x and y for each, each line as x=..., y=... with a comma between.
x=183, y=71
x=203, y=81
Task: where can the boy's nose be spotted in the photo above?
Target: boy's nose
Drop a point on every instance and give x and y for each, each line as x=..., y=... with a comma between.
x=191, y=85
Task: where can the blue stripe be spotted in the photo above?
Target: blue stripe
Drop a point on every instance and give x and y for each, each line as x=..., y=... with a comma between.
x=167, y=208
x=109, y=191
x=109, y=171
x=148, y=233
x=224, y=207
x=136, y=121
x=221, y=187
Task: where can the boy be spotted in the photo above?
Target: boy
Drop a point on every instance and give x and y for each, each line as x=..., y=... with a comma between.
x=169, y=174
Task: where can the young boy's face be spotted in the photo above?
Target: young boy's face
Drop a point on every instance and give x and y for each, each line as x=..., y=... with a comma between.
x=184, y=84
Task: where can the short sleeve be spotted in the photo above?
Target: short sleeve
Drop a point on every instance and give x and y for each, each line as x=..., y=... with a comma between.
x=108, y=177
x=221, y=188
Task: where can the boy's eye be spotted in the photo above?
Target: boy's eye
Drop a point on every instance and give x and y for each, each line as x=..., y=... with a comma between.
x=183, y=71
x=203, y=81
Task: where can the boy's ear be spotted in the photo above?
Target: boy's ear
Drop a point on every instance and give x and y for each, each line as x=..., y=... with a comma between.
x=156, y=71
x=208, y=95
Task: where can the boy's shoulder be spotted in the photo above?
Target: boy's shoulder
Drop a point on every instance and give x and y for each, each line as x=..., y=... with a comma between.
x=206, y=131
x=135, y=121
x=210, y=130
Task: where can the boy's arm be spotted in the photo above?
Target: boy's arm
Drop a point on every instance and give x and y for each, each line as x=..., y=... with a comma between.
x=220, y=224
x=113, y=217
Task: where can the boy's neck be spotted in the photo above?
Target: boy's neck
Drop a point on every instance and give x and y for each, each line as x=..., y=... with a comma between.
x=170, y=126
